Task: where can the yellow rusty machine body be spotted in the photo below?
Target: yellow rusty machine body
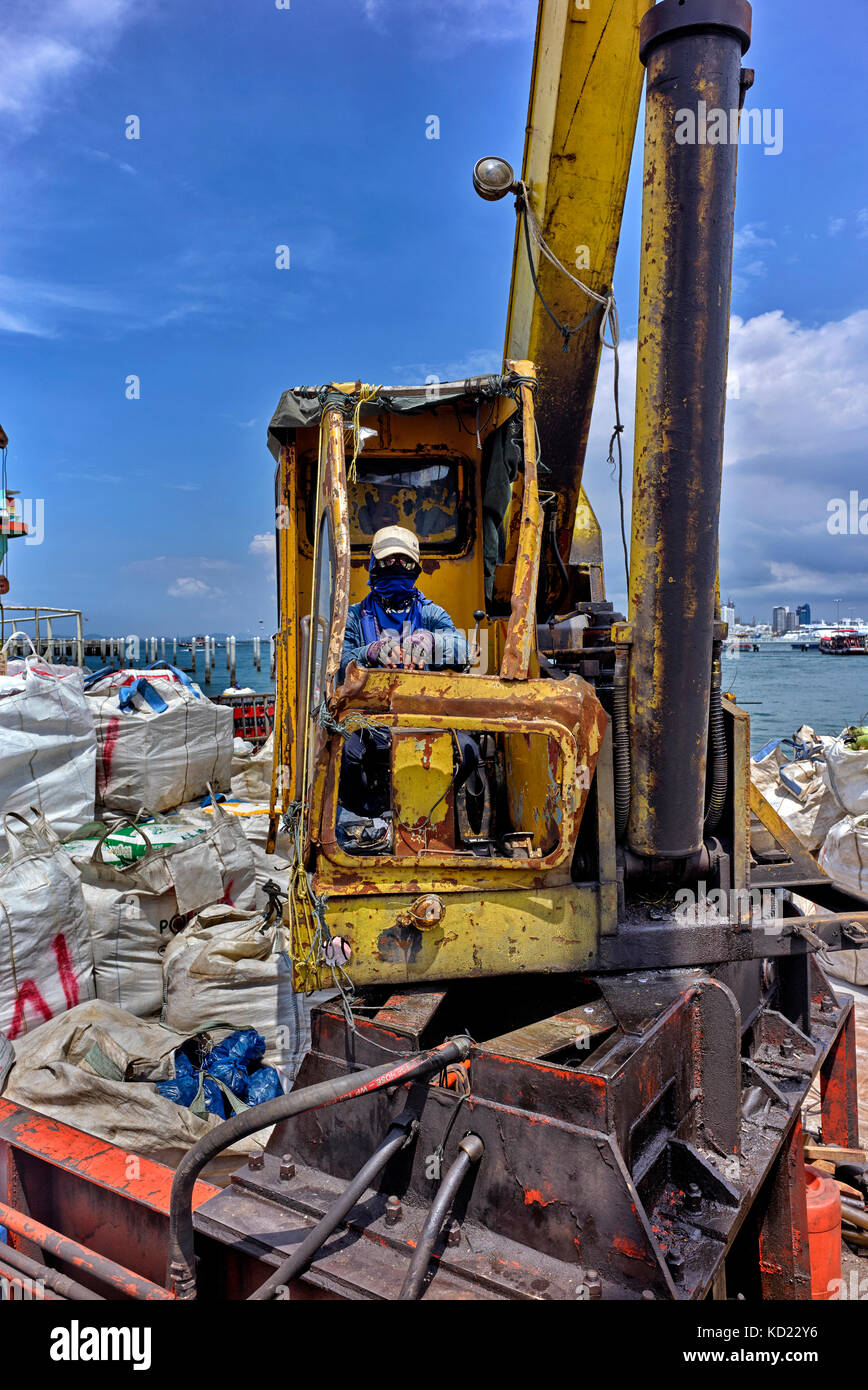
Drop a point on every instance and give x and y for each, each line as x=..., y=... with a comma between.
x=440, y=904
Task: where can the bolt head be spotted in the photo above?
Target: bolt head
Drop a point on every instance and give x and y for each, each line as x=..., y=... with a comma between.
x=693, y=1197
x=394, y=1211
x=256, y=1160
x=287, y=1167
x=453, y=1233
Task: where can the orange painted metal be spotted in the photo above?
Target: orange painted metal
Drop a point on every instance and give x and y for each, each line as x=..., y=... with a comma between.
x=824, y=1233
x=81, y=1258
x=95, y=1159
x=838, y=1089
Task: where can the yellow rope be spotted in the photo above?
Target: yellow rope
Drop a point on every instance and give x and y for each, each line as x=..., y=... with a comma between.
x=366, y=394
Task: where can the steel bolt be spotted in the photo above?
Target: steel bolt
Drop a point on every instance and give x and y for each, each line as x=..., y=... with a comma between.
x=394, y=1211
x=453, y=1232
x=593, y=1284
x=256, y=1160
x=675, y=1261
x=787, y=1047
x=828, y=1005
x=693, y=1197
x=287, y=1167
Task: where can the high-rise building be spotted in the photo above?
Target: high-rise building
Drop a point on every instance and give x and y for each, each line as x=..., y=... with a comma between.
x=727, y=613
x=779, y=619
x=803, y=613
x=792, y=621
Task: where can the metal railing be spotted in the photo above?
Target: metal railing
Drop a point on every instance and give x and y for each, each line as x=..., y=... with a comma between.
x=15, y=617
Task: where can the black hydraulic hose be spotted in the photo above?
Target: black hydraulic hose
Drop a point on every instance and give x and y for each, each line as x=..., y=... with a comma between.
x=470, y=1151
x=181, y=1255
x=717, y=738
x=621, y=732
x=298, y=1261
x=51, y=1278
x=553, y=545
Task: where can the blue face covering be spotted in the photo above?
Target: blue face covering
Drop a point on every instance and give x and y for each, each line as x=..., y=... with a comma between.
x=393, y=588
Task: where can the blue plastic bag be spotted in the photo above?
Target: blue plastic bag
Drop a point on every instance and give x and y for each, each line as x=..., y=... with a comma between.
x=235, y=1064
x=232, y=1076
x=182, y=1090
x=244, y=1047
x=264, y=1084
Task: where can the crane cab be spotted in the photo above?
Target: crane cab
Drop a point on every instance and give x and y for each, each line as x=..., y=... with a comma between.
x=483, y=766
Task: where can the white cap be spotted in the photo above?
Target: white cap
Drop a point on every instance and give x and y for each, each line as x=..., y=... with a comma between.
x=395, y=540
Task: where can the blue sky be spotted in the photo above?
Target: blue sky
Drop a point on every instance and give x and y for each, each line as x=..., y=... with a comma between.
x=261, y=127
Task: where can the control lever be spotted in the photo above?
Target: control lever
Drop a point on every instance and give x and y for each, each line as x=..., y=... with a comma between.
x=479, y=615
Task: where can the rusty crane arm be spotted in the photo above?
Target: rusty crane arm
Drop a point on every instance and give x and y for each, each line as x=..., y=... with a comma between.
x=585, y=89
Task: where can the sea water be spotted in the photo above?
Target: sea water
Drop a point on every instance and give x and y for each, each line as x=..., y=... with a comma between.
x=781, y=689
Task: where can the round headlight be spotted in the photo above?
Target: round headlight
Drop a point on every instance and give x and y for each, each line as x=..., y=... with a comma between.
x=493, y=178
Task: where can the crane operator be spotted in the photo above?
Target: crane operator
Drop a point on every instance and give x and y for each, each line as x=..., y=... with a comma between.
x=394, y=626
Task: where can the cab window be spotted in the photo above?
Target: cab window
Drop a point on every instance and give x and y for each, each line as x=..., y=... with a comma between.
x=421, y=494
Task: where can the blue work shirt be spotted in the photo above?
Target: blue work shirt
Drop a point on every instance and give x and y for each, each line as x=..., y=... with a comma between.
x=433, y=619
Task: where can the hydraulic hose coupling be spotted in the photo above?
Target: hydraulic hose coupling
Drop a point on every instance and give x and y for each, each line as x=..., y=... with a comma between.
x=473, y=1146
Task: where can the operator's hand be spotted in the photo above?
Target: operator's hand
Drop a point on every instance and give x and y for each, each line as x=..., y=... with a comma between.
x=421, y=650
x=386, y=651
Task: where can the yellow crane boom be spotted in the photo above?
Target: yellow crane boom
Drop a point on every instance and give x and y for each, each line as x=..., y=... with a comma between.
x=585, y=90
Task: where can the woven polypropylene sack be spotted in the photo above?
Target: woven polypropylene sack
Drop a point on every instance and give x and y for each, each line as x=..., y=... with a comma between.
x=46, y=964
x=47, y=744
x=157, y=757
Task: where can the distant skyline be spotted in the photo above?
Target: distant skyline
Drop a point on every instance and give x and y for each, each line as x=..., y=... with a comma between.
x=154, y=258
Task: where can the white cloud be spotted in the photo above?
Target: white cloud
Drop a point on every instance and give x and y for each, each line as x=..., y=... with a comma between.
x=188, y=587
x=750, y=236
x=795, y=438
x=262, y=545
x=454, y=24
x=95, y=477
x=836, y=225
x=479, y=362
x=104, y=158
x=16, y=323
x=801, y=389
x=33, y=306
x=43, y=47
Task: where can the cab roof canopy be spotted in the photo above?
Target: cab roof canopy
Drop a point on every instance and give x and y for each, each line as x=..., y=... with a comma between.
x=303, y=406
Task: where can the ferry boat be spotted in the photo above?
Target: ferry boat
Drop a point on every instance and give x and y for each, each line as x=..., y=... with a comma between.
x=844, y=642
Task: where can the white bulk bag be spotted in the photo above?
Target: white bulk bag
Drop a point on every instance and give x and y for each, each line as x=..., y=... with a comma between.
x=47, y=742
x=847, y=776
x=798, y=792
x=253, y=817
x=225, y=969
x=94, y=1069
x=160, y=741
x=134, y=909
x=252, y=773
x=844, y=857
x=46, y=965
